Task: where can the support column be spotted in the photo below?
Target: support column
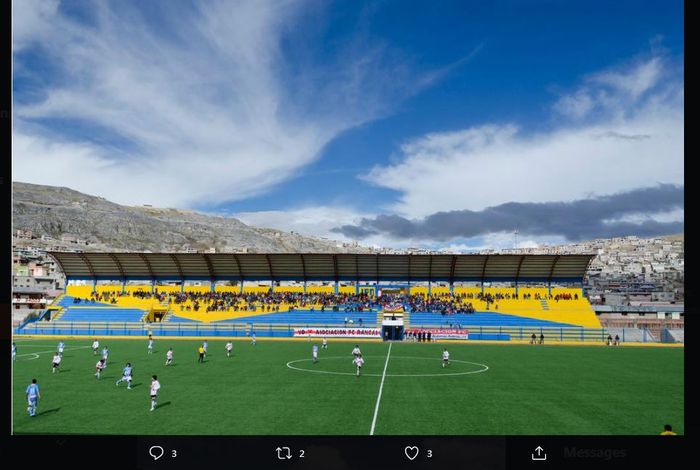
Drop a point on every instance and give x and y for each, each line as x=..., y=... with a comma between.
x=153, y=286
x=516, y=288
x=94, y=285
x=123, y=286
x=182, y=287
x=212, y=286
x=430, y=288
x=357, y=288
x=304, y=287
x=549, y=287
x=335, y=289
x=241, y=286
x=482, y=287
x=452, y=288
x=409, y=288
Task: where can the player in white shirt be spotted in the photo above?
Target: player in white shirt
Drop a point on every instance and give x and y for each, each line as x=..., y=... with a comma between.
x=356, y=352
x=314, y=353
x=126, y=376
x=253, y=336
x=445, y=358
x=56, y=363
x=99, y=367
x=95, y=347
x=150, y=344
x=229, y=347
x=204, y=346
x=155, y=386
x=61, y=345
x=325, y=343
x=14, y=351
x=358, y=361
x=169, y=357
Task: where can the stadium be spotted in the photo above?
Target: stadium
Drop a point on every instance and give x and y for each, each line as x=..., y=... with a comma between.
x=527, y=353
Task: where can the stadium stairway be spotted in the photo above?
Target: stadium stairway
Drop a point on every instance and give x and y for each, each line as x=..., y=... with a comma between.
x=545, y=306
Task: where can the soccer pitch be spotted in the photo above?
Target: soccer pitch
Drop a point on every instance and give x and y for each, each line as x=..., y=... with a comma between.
x=273, y=388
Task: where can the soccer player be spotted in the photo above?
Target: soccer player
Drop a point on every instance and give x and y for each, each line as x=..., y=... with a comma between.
x=169, y=357
x=204, y=346
x=95, y=347
x=541, y=338
x=325, y=343
x=56, y=362
x=201, y=354
x=668, y=431
x=617, y=340
x=610, y=340
x=99, y=367
x=126, y=376
x=14, y=351
x=155, y=386
x=356, y=352
x=61, y=345
x=105, y=354
x=229, y=347
x=358, y=361
x=253, y=336
x=533, y=339
x=150, y=344
x=314, y=353
x=445, y=358
x=33, y=396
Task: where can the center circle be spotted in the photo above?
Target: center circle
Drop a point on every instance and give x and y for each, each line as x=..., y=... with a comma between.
x=482, y=367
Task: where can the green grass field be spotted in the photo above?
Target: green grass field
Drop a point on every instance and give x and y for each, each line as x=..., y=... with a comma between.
x=526, y=389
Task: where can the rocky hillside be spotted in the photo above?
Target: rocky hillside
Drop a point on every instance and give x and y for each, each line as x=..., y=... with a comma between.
x=106, y=226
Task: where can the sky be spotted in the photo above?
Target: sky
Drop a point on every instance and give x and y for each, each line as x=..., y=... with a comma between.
x=442, y=125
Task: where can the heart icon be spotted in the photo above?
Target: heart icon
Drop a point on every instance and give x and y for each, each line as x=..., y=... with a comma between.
x=411, y=452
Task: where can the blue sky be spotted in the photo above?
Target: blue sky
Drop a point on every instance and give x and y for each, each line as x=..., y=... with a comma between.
x=366, y=121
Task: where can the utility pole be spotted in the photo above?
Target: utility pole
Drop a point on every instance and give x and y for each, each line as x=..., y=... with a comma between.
x=515, y=233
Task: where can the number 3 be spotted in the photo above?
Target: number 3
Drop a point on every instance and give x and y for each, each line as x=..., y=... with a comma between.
x=430, y=453
x=174, y=453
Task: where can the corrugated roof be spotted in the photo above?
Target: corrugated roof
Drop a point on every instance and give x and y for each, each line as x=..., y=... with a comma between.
x=322, y=266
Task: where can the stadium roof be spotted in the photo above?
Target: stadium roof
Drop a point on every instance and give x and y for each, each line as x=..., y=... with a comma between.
x=322, y=267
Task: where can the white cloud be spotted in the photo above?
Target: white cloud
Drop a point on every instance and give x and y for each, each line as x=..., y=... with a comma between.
x=31, y=21
x=206, y=99
x=639, y=218
x=637, y=142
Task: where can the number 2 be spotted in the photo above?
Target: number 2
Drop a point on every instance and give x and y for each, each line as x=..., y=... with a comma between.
x=301, y=454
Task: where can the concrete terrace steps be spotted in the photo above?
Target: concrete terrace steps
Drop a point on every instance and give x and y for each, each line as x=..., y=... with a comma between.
x=545, y=305
x=479, y=319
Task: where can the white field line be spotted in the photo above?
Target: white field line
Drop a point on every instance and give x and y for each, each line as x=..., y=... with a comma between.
x=50, y=351
x=379, y=396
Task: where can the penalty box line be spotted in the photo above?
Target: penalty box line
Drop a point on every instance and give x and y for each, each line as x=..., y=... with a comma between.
x=379, y=396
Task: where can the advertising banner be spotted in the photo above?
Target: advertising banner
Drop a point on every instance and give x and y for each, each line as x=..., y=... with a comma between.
x=339, y=332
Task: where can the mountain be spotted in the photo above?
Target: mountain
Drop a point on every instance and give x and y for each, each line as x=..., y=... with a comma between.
x=58, y=212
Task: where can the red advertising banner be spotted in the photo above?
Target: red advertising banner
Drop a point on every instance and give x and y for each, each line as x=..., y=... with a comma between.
x=339, y=332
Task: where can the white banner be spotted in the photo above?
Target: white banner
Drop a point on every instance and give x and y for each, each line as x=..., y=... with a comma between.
x=443, y=333
x=339, y=332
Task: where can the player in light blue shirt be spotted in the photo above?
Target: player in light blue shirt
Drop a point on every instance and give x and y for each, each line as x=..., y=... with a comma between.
x=33, y=396
x=61, y=345
x=126, y=376
x=105, y=354
x=150, y=344
x=314, y=353
x=14, y=351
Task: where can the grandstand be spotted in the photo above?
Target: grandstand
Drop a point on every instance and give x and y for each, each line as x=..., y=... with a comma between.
x=490, y=296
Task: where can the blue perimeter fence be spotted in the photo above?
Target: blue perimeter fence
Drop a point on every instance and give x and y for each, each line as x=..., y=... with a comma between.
x=269, y=330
